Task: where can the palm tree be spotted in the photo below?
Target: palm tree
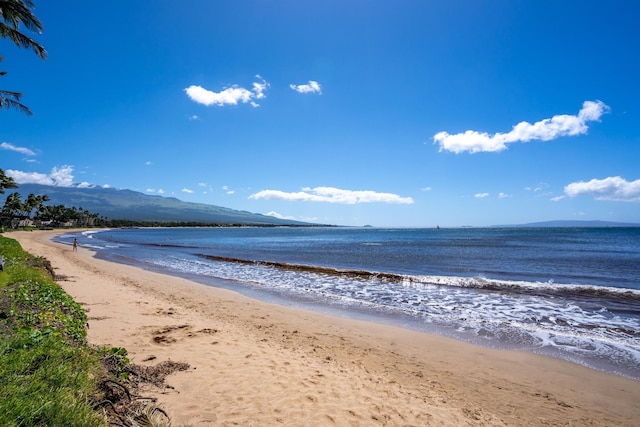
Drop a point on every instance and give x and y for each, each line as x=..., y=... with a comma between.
x=33, y=204
x=12, y=209
x=12, y=14
x=6, y=182
x=10, y=99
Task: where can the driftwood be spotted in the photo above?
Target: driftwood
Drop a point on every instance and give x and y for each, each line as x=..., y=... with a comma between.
x=120, y=401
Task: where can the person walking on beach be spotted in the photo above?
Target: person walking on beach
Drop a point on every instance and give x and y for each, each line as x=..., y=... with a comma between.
x=75, y=245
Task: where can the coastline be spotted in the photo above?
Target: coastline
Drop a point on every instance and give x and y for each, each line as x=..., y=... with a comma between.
x=255, y=363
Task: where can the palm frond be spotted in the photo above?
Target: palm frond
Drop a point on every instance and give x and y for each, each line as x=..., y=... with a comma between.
x=15, y=12
x=9, y=99
x=22, y=40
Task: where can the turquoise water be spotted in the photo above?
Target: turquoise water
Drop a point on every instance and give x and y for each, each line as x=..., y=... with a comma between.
x=572, y=293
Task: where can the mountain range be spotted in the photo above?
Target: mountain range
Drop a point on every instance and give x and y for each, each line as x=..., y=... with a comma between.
x=115, y=204
x=573, y=223
x=131, y=205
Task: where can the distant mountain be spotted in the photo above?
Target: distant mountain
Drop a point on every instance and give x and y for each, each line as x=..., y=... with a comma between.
x=575, y=223
x=135, y=206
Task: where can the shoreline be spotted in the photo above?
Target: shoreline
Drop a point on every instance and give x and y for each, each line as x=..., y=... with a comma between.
x=257, y=363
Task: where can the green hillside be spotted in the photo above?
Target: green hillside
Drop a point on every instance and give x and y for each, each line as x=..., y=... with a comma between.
x=135, y=206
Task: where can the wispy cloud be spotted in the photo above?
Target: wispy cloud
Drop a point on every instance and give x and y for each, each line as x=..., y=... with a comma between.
x=311, y=87
x=186, y=190
x=279, y=216
x=10, y=147
x=60, y=177
x=538, y=187
x=541, y=190
x=544, y=130
x=289, y=217
x=332, y=195
x=231, y=95
x=260, y=87
x=206, y=188
x=612, y=188
x=481, y=195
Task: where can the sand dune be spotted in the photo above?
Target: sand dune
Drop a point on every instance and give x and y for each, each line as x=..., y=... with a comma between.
x=258, y=364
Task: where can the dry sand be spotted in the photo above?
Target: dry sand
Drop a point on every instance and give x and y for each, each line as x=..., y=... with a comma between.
x=259, y=364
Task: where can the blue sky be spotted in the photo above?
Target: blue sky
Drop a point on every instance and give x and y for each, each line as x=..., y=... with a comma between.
x=389, y=113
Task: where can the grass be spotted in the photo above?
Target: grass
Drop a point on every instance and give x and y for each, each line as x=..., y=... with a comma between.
x=47, y=371
x=49, y=374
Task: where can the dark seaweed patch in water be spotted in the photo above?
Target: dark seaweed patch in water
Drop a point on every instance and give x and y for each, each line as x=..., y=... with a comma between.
x=354, y=274
x=551, y=289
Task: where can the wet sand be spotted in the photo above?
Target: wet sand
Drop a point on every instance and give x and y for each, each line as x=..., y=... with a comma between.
x=259, y=364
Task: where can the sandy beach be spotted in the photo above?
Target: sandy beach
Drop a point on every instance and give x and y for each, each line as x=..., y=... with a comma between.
x=259, y=364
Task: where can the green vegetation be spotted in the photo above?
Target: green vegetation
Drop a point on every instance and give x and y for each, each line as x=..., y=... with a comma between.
x=6, y=182
x=15, y=14
x=33, y=212
x=49, y=374
x=47, y=371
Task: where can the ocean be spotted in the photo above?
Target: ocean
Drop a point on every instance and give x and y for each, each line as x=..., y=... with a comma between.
x=571, y=293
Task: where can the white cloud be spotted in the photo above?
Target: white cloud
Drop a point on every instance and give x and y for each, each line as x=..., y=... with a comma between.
x=279, y=216
x=260, y=88
x=611, y=188
x=425, y=189
x=481, y=195
x=544, y=130
x=557, y=198
x=503, y=195
x=186, y=190
x=332, y=195
x=311, y=87
x=537, y=188
x=206, y=188
x=10, y=147
x=229, y=96
x=540, y=190
x=60, y=177
x=291, y=218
